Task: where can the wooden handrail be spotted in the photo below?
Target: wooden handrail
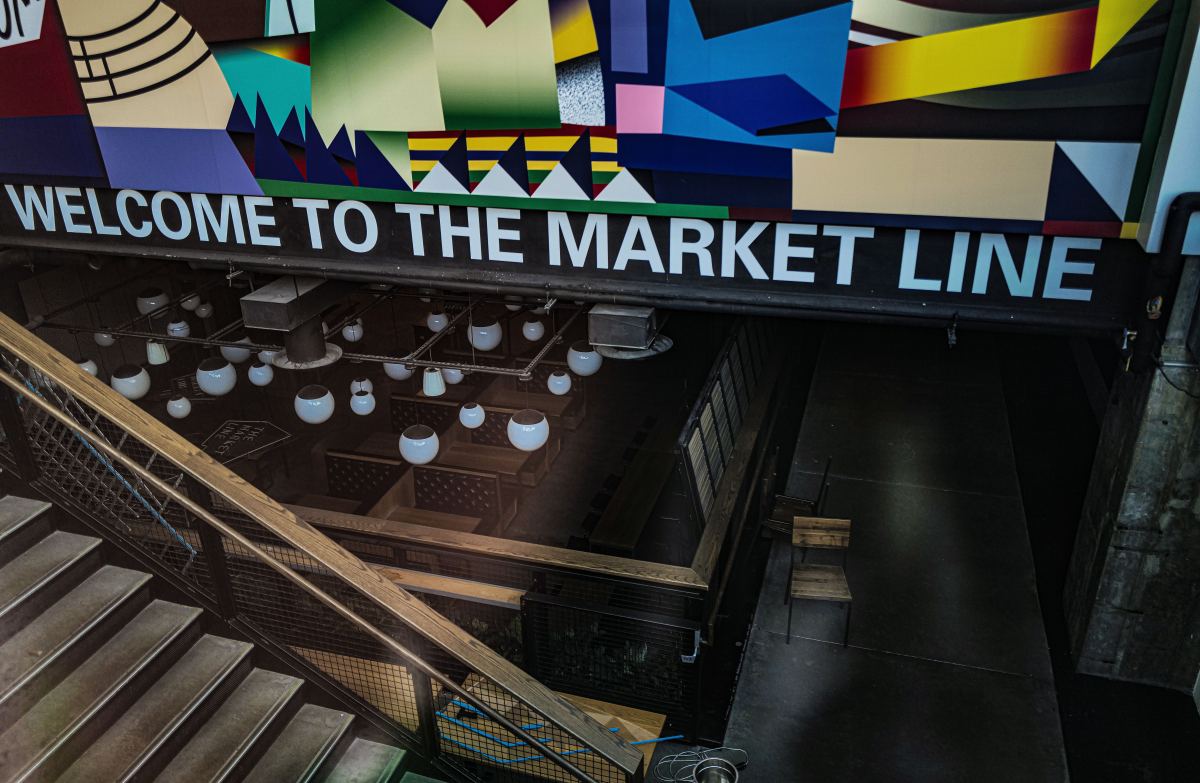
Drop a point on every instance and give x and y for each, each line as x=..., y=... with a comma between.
x=247, y=499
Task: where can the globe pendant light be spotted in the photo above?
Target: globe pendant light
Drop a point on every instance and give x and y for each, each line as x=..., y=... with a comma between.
x=397, y=371
x=533, y=330
x=157, y=353
x=362, y=402
x=216, y=377
x=559, y=383
x=235, y=354
x=178, y=407
x=528, y=430
x=419, y=444
x=436, y=322
x=353, y=332
x=131, y=381
x=267, y=357
x=151, y=299
x=89, y=366
x=432, y=382
x=179, y=328
x=190, y=302
x=361, y=384
x=472, y=415
x=260, y=374
x=583, y=359
x=314, y=404
x=486, y=336
x=104, y=339
x=204, y=310
x=453, y=375
x=512, y=303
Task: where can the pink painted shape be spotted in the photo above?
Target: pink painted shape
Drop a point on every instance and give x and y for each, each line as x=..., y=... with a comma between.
x=640, y=108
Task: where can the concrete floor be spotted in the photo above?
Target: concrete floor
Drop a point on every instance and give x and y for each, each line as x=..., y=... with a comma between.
x=947, y=676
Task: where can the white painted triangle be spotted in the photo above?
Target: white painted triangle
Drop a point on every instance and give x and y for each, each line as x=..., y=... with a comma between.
x=560, y=184
x=440, y=180
x=498, y=182
x=1107, y=166
x=625, y=187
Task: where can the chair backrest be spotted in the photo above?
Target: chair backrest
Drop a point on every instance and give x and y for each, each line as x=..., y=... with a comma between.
x=361, y=476
x=408, y=410
x=455, y=491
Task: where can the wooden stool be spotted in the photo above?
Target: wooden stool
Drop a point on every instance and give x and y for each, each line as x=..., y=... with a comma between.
x=818, y=533
x=812, y=582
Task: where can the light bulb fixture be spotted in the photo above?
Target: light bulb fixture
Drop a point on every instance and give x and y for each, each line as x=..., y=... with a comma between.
x=397, y=371
x=353, y=332
x=453, y=375
x=361, y=384
x=436, y=322
x=190, y=302
x=559, y=383
x=104, y=339
x=131, y=381
x=267, y=357
x=261, y=374
x=485, y=336
x=157, y=353
x=419, y=444
x=533, y=330
x=235, y=354
x=216, y=376
x=362, y=402
x=151, y=299
x=512, y=303
x=179, y=328
x=528, y=430
x=314, y=404
x=472, y=415
x=583, y=359
x=178, y=407
x=204, y=310
x=432, y=382
x=89, y=366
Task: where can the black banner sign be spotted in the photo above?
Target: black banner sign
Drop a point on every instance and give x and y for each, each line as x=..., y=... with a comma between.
x=1062, y=281
x=236, y=439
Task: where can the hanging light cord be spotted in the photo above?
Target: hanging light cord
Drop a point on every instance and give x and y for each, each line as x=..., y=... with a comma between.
x=680, y=767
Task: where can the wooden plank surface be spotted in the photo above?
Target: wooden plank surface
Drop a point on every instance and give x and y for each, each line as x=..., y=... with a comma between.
x=249, y=500
x=820, y=532
x=450, y=587
x=820, y=583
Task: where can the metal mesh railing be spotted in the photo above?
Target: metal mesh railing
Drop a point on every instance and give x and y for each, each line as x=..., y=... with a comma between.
x=405, y=668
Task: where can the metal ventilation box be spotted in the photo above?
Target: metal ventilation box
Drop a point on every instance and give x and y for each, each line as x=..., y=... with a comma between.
x=622, y=326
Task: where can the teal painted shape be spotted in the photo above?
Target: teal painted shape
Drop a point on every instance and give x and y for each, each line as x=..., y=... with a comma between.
x=282, y=85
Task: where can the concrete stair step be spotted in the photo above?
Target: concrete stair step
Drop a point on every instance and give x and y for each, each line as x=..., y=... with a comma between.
x=22, y=522
x=44, y=572
x=367, y=762
x=312, y=735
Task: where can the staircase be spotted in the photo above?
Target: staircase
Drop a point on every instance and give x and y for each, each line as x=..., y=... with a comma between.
x=103, y=680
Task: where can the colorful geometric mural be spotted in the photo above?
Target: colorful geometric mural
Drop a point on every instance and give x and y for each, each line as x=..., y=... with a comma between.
x=890, y=112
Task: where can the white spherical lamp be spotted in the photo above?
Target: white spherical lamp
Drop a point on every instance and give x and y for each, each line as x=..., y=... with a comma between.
x=419, y=444
x=267, y=357
x=151, y=299
x=436, y=322
x=353, y=332
x=216, y=377
x=260, y=374
x=528, y=430
x=204, y=310
x=157, y=353
x=432, y=382
x=362, y=402
x=559, y=383
x=512, y=303
x=131, y=381
x=453, y=375
x=397, y=371
x=314, y=404
x=583, y=359
x=533, y=330
x=361, y=384
x=190, y=302
x=89, y=366
x=179, y=328
x=472, y=415
x=235, y=354
x=178, y=407
x=104, y=339
x=485, y=336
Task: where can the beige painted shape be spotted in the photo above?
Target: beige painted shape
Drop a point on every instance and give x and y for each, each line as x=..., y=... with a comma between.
x=1006, y=180
x=97, y=17
x=199, y=100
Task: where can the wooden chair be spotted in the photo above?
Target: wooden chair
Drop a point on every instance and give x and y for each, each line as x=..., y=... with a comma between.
x=812, y=582
x=788, y=507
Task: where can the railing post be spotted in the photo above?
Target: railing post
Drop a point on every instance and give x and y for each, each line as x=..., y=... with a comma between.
x=17, y=436
x=426, y=712
x=213, y=544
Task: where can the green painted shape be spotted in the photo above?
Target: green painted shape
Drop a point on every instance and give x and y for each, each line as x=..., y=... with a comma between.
x=282, y=84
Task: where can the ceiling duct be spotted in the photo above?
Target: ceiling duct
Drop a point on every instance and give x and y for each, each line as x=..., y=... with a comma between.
x=293, y=305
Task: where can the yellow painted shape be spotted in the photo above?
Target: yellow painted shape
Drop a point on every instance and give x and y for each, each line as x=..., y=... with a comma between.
x=604, y=144
x=431, y=143
x=550, y=143
x=576, y=36
x=605, y=165
x=1129, y=230
x=1114, y=19
x=490, y=143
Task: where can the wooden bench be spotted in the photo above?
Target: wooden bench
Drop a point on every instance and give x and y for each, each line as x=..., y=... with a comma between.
x=457, y=450
x=565, y=411
x=811, y=582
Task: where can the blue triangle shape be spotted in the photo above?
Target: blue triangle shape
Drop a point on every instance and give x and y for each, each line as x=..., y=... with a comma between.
x=578, y=162
x=341, y=147
x=1071, y=196
x=455, y=161
x=291, y=131
x=756, y=103
x=319, y=163
x=271, y=160
x=515, y=163
x=374, y=169
x=424, y=11
x=239, y=118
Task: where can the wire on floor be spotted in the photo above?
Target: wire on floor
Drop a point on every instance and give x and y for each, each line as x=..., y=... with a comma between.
x=680, y=767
